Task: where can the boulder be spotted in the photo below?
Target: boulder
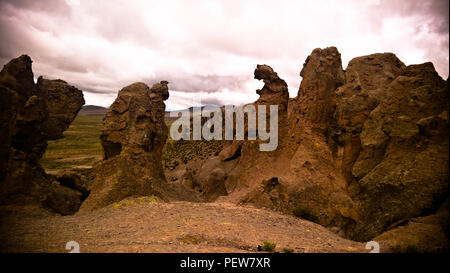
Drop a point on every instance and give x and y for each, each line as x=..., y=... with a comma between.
x=74, y=181
x=63, y=103
x=232, y=151
x=133, y=136
x=63, y=200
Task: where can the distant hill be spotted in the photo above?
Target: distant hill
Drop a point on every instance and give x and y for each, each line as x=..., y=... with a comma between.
x=93, y=110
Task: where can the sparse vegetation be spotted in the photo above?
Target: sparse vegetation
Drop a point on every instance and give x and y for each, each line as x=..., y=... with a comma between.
x=269, y=246
x=181, y=151
x=288, y=250
x=304, y=213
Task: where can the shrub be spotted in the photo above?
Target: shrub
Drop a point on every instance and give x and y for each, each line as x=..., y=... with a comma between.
x=288, y=250
x=269, y=246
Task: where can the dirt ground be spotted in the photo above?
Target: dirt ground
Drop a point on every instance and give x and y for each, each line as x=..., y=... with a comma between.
x=147, y=225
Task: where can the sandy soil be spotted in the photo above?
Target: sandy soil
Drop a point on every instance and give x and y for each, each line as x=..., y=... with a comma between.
x=145, y=225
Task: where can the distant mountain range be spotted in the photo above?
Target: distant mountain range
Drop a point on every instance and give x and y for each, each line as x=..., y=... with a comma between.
x=93, y=110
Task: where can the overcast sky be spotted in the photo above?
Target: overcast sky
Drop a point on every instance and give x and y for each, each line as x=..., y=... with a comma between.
x=209, y=49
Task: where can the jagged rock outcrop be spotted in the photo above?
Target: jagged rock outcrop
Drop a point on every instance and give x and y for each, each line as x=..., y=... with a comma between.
x=402, y=168
x=133, y=136
x=27, y=124
x=274, y=92
x=386, y=126
x=322, y=73
x=367, y=79
x=299, y=174
x=365, y=148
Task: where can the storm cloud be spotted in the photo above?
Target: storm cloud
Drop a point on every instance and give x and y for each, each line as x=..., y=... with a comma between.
x=209, y=49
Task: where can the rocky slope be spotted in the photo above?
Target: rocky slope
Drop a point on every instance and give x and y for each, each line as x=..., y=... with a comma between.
x=147, y=225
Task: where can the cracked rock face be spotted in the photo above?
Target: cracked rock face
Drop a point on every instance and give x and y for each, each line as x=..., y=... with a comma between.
x=31, y=114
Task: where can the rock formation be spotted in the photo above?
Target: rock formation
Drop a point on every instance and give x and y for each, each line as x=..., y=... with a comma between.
x=133, y=136
x=360, y=150
x=299, y=174
x=31, y=114
x=402, y=168
x=63, y=104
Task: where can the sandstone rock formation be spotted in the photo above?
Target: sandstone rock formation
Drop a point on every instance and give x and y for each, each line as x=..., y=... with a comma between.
x=31, y=114
x=133, y=136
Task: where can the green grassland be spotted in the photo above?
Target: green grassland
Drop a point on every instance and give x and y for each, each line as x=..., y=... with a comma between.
x=79, y=148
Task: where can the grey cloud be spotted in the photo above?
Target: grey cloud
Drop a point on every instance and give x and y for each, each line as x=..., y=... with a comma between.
x=434, y=12
x=206, y=83
x=213, y=101
x=102, y=46
x=53, y=7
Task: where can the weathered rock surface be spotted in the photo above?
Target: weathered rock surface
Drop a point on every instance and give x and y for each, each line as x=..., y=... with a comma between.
x=63, y=103
x=300, y=173
x=322, y=73
x=63, y=200
x=423, y=234
x=365, y=148
x=402, y=169
x=28, y=112
x=74, y=180
x=367, y=79
x=133, y=136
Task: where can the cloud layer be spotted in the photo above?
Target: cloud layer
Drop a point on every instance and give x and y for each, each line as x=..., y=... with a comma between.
x=209, y=49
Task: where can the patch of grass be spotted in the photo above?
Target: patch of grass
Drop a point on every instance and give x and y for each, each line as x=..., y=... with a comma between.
x=269, y=246
x=288, y=250
x=304, y=213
